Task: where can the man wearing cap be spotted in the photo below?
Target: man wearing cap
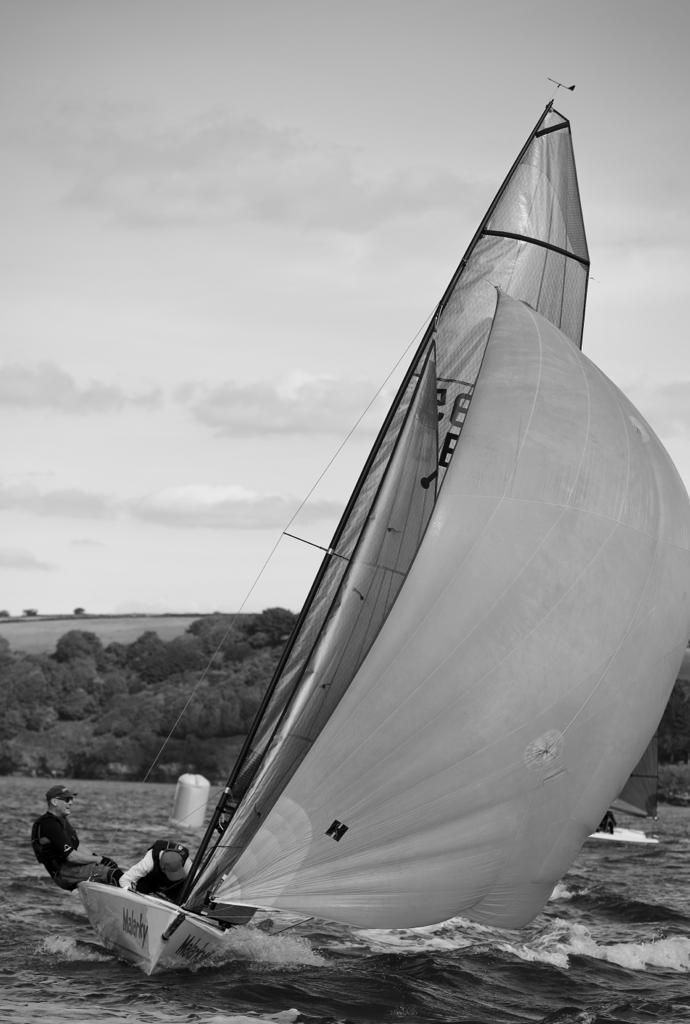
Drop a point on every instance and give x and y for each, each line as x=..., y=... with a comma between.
x=56, y=845
x=162, y=870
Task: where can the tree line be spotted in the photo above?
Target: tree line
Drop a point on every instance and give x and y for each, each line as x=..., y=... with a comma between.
x=155, y=708
x=97, y=711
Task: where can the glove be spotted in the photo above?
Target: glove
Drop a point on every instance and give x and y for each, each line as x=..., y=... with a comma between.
x=108, y=862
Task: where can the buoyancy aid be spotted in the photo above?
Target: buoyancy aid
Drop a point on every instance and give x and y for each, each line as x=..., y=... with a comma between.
x=157, y=880
x=52, y=840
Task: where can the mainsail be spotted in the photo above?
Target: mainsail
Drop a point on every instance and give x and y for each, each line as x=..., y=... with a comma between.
x=639, y=795
x=513, y=559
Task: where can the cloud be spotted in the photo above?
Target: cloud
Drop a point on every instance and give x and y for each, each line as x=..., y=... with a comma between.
x=229, y=507
x=46, y=386
x=220, y=167
x=302, y=404
x=69, y=502
x=197, y=506
x=18, y=558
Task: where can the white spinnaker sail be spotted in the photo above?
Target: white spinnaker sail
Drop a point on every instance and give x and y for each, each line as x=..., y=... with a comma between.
x=472, y=753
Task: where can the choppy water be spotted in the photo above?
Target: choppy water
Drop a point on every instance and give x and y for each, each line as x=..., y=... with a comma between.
x=612, y=945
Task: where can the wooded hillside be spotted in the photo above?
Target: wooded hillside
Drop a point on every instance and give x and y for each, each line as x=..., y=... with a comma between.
x=94, y=711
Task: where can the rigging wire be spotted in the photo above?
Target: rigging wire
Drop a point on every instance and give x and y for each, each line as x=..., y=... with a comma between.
x=283, y=533
x=295, y=924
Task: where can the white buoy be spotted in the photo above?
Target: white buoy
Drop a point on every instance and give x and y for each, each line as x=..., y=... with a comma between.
x=189, y=805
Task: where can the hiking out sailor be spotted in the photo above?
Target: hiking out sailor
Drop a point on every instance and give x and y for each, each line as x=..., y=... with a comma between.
x=161, y=871
x=56, y=845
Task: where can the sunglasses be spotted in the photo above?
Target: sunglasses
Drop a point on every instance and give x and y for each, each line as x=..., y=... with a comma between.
x=66, y=799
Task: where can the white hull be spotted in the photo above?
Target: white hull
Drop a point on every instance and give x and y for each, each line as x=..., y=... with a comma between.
x=624, y=835
x=133, y=926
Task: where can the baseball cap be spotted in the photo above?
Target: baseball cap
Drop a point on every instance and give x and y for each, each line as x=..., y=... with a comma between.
x=172, y=865
x=60, y=793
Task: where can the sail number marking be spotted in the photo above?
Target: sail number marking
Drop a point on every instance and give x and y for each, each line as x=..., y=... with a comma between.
x=336, y=830
x=458, y=412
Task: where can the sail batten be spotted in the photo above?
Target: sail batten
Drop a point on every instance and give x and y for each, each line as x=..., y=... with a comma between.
x=538, y=241
x=562, y=126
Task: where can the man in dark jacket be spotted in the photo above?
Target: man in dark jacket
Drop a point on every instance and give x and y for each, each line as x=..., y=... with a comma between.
x=161, y=871
x=56, y=845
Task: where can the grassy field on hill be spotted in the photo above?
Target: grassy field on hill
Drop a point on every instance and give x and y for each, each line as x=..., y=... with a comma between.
x=40, y=635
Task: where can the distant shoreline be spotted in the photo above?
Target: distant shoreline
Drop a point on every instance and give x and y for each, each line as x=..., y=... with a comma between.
x=87, y=616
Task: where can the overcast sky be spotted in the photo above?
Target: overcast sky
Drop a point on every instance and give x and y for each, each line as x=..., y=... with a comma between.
x=224, y=223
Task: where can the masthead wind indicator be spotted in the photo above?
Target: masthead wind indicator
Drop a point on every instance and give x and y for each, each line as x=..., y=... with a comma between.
x=559, y=85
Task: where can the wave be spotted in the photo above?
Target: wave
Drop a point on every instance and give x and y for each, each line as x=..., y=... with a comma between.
x=282, y=1017
x=553, y=943
x=637, y=910
x=65, y=948
x=563, y=892
x=253, y=944
x=457, y=933
x=241, y=943
x=614, y=905
x=34, y=1012
x=563, y=940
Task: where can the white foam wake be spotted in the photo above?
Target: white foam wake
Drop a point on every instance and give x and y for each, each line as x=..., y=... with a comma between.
x=249, y=943
x=64, y=948
x=554, y=944
x=561, y=941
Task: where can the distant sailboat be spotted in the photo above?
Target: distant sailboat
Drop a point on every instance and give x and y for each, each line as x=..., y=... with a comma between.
x=510, y=575
x=638, y=799
x=639, y=795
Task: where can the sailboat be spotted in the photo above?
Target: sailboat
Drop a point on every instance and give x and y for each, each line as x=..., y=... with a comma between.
x=510, y=574
x=638, y=799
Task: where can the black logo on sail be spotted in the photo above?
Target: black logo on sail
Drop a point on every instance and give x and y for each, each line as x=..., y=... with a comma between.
x=336, y=830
